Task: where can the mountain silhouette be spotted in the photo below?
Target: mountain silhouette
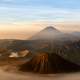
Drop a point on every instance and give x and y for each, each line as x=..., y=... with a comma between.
x=51, y=33
x=47, y=33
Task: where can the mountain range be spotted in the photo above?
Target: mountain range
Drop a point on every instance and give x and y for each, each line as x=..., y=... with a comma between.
x=48, y=42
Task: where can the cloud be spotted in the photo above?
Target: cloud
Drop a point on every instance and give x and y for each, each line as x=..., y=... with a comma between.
x=33, y=13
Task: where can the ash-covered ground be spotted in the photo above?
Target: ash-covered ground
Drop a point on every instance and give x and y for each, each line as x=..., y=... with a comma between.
x=12, y=74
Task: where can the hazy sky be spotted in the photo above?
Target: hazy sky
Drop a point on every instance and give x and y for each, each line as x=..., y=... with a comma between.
x=20, y=18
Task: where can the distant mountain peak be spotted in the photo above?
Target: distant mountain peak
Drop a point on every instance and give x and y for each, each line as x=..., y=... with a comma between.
x=46, y=34
x=50, y=28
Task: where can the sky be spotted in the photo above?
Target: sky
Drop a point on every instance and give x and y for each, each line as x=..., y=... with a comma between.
x=20, y=18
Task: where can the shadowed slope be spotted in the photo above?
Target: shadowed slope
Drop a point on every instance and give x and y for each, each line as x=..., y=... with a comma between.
x=49, y=63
